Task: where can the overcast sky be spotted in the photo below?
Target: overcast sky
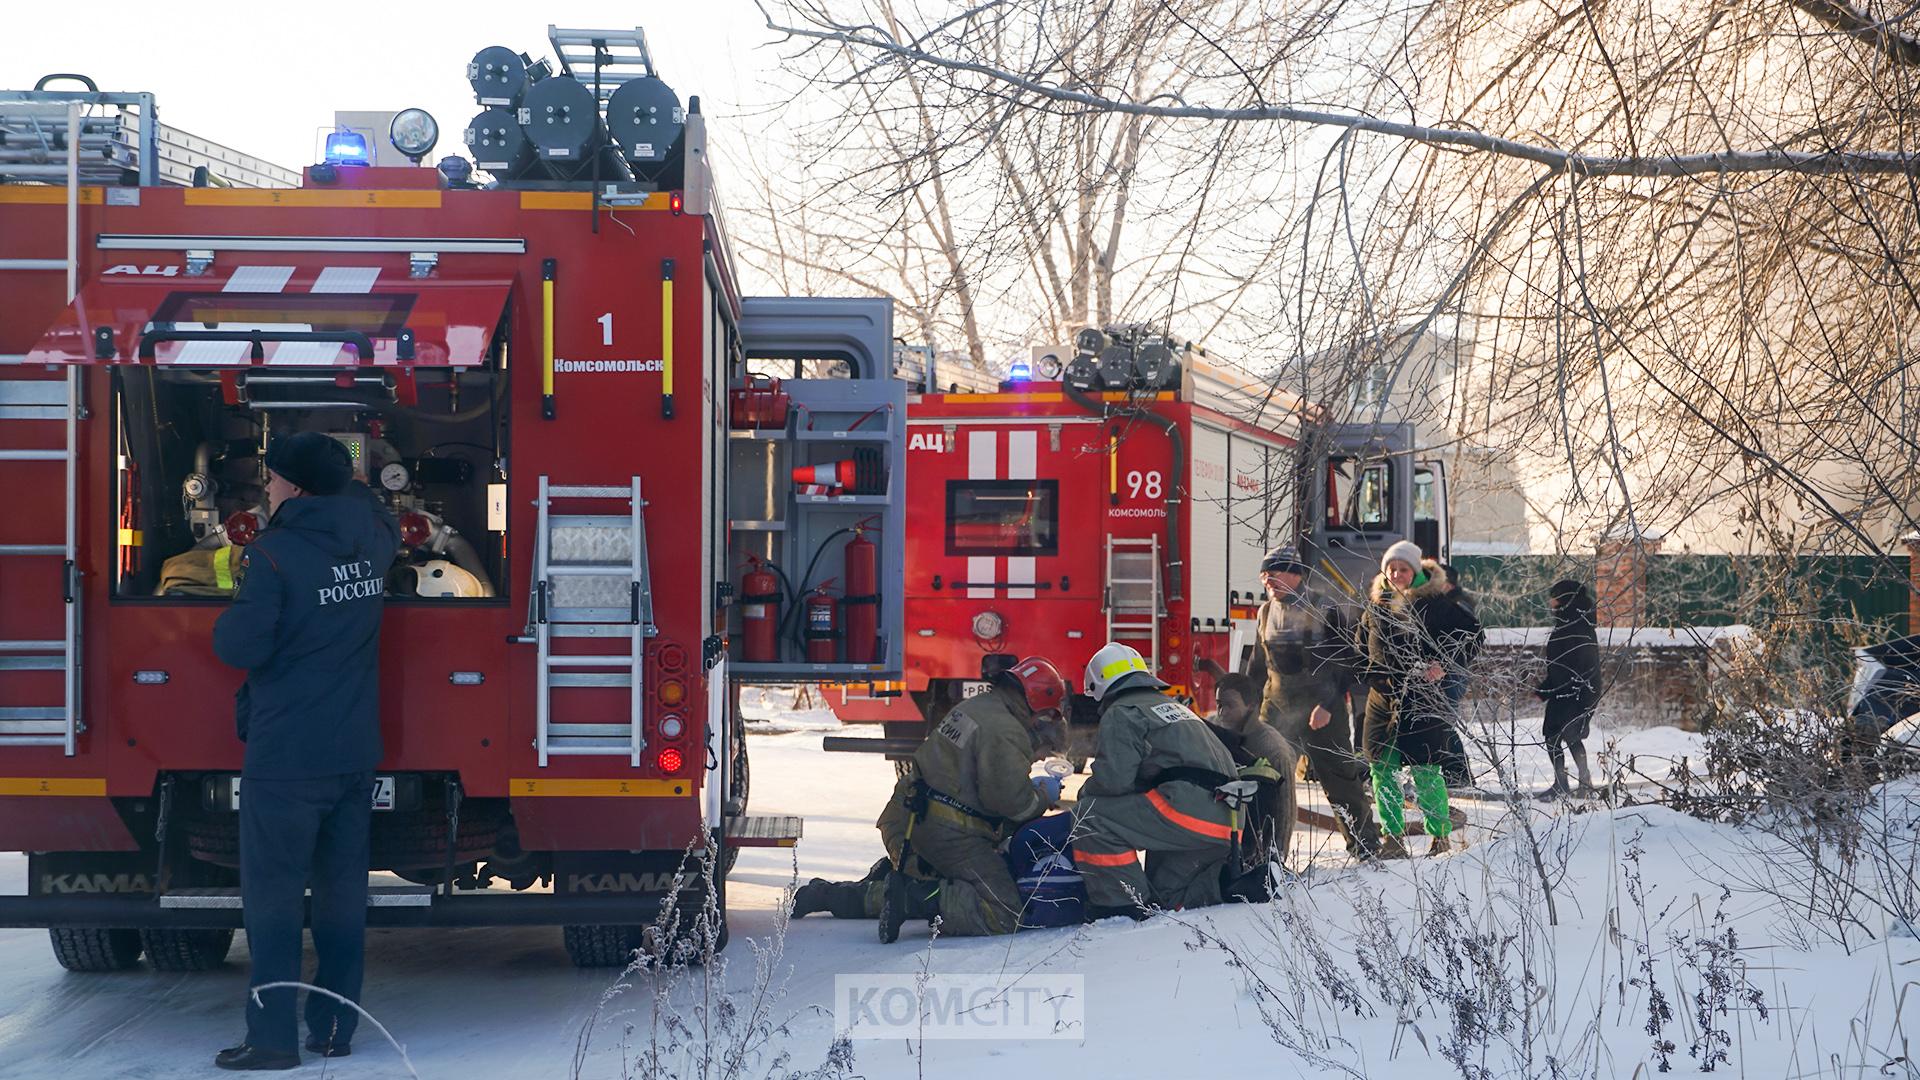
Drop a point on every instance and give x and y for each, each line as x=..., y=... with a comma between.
x=265, y=77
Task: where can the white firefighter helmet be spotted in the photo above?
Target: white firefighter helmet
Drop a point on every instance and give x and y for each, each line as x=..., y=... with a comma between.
x=1112, y=663
x=440, y=578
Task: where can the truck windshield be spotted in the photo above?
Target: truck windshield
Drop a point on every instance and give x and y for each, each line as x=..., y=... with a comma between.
x=1003, y=517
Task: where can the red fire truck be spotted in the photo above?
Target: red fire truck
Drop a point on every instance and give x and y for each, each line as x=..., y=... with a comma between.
x=1128, y=497
x=534, y=376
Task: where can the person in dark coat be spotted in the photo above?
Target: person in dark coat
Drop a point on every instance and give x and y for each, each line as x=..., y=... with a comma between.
x=1571, y=684
x=1264, y=755
x=1457, y=767
x=305, y=625
x=1413, y=632
x=1302, y=662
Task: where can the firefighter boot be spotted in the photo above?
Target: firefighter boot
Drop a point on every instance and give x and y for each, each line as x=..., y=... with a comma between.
x=906, y=898
x=1391, y=847
x=841, y=899
x=1253, y=887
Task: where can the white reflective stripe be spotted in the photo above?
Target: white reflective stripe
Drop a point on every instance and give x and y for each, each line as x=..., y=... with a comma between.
x=1023, y=451
x=197, y=353
x=308, y=353
x=346, y=279
x=980, y=568
x=258, y=279
x=982, y=455
x=1019, y=572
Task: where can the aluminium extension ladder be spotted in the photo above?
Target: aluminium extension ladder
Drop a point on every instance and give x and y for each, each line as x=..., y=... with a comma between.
x=590, y=581
x=42, y=723
x=56, y=723
x=1133, y=598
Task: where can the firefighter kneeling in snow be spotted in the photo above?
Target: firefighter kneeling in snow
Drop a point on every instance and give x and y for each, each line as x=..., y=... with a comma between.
x=967, y=792
x=1155, y=769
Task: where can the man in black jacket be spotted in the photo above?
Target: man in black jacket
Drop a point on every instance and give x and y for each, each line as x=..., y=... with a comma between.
x=305, y=624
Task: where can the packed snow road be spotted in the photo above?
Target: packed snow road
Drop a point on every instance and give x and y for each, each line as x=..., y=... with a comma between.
x=1176, y=997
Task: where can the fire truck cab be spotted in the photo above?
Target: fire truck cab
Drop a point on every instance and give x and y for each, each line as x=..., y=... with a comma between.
x=532, y=376
x=1129, y=499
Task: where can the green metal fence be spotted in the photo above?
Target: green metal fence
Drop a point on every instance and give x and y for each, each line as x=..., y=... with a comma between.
x=1854, y=598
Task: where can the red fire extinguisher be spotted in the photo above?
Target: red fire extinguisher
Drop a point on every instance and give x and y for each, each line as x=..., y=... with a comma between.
x=760, y=614
x=862, y=600
x=823, y=625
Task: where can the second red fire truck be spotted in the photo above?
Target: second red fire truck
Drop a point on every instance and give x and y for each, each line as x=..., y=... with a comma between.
x=1128, y=497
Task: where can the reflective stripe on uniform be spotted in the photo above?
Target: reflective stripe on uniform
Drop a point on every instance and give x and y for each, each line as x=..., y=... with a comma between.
x=1094, y=858
x=223, y=568
x=1131, y=663
x=1187, y=821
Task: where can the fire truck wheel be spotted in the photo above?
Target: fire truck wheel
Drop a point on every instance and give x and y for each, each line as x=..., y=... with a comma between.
x=737, y=799
x=172, y=949
x=89, y=949
x=601, y=946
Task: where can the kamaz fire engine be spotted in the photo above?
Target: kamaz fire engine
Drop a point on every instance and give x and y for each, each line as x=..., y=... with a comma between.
x=1128, y=494
x=535, y=375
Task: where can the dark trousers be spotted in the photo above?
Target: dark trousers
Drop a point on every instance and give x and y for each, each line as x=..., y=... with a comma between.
x=295, y=834
x=1342, y=772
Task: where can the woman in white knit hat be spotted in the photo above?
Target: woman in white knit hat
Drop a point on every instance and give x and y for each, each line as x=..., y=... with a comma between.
x=1413, y=633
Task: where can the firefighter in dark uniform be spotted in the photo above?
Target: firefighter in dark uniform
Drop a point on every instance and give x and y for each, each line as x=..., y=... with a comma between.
x=1156, y=767
x=968, y=791
x=305, y=625
x=1303, y=666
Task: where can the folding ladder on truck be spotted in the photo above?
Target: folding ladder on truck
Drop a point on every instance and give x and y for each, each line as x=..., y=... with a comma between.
x=1133, y=594
x=590, y=581
x=56, y=723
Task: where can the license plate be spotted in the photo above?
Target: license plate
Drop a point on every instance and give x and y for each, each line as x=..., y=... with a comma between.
x=382, y=793
x=974, y=689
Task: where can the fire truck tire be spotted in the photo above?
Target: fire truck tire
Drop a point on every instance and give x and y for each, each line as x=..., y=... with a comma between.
x=420, y=841
x=740, y=776
x=93, y=950
x=171, y=949
x=601, y=946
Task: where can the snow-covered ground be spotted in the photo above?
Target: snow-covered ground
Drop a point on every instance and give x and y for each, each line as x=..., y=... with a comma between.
x=1356, y=971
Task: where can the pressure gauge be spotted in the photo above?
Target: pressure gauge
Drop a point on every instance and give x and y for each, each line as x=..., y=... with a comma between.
x=395, y=477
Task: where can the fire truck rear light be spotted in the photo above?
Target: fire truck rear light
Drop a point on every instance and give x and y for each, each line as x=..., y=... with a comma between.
x=669, y=760
x=467, y=678
x=676, y=202
x=672, y=692
x=671, y=727
x=673, y=657
x=150, y=678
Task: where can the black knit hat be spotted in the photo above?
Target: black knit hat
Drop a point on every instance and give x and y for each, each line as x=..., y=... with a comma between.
x=312, y=462
x=1283, y=560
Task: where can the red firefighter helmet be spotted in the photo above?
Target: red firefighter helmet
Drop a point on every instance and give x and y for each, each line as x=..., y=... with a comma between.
x=1040, y=681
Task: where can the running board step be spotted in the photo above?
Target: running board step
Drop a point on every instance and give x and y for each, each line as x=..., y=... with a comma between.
x=377, y=896
x=764, y=830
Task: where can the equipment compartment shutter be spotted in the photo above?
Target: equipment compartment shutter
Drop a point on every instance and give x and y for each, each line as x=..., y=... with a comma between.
x=1262, y=515
x=301, y=314
x=1210, y=501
